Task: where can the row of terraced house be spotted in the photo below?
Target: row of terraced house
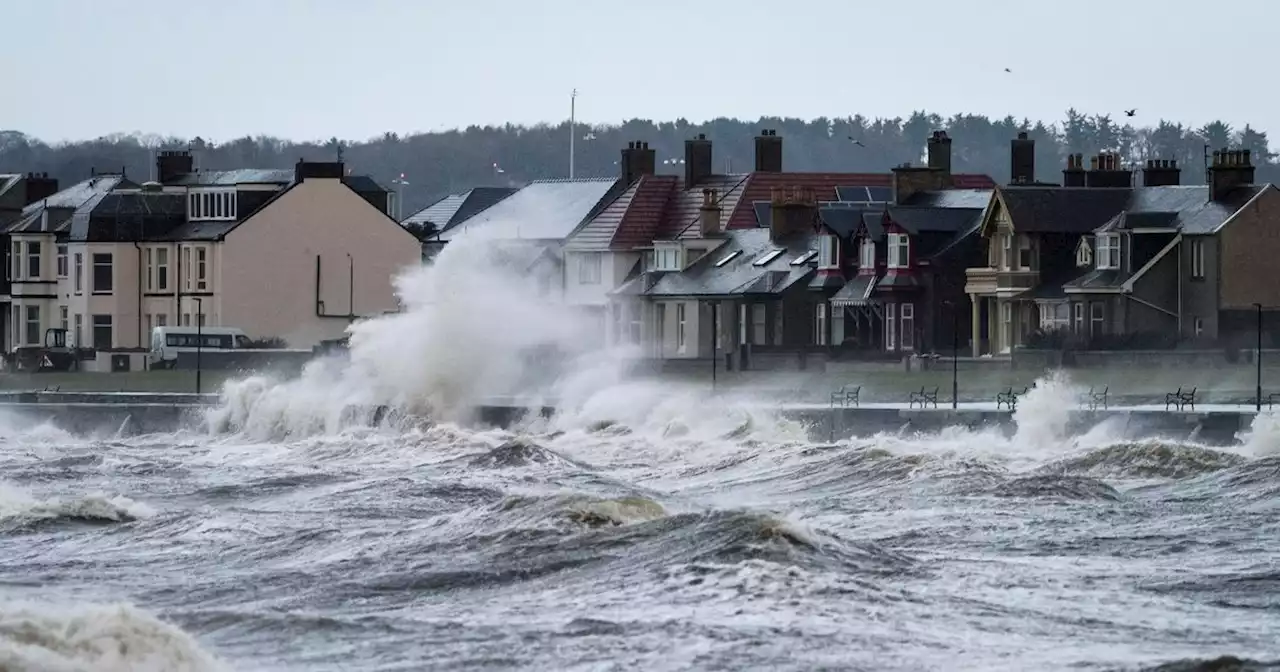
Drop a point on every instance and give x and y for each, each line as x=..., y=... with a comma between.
x=772, y=268
x=293, y=254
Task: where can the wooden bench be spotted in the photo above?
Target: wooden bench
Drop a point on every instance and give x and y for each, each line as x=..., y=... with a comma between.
x=847, y=394
x=1180, y=399
x=923, y=397
x=1269, y=400
x=1009, y=398
x=1096, y=398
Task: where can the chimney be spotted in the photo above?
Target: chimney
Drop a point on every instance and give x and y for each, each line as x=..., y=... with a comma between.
x=1107, y=171
x=938, y=150
x=39, y=186
x=1073, y=176
x=1161, y=173
x=709, y=214
x=768, y=152
x=1230, y=168
x=794, y=211
x=171, y=164
x=317, y=169
x=637, y=161
x=697, y=160
x=1022, y=159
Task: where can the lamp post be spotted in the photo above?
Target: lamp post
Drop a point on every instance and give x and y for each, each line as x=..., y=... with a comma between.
x=1257, y=359
x=955, y=354
x=199, y=337
x=715, y=341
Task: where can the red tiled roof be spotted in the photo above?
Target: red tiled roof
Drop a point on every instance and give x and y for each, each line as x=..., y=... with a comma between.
x=643, y=215
x=659, y=207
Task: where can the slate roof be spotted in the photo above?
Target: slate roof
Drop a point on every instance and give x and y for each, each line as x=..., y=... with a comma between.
x=542, y=210
x=8, y=180
x=843, y=222
x=1096, y=278
x=740, y=276
x=62, y=205
x=951, y=198
x=129, y=215
x=631, y=220
x=1062, y=209
x=1084, y=209
x=457, y=208
x=856, y=291
x=227, y=178
x=938, y=220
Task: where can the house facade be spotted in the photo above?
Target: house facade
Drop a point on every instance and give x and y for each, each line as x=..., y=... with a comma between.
x=1104, y=262
x=296, y=255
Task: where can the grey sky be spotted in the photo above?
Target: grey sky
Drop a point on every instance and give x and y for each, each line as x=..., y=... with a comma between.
x=311, y=69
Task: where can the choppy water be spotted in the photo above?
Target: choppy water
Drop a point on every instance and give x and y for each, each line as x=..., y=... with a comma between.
x=707, y=539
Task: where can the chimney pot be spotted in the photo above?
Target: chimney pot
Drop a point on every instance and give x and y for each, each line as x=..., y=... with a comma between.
x=1022, y=135
x=702, y=136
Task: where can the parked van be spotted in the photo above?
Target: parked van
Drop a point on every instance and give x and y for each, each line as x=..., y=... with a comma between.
x=167, y=342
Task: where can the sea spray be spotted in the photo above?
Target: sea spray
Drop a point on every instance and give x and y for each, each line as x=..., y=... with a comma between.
x=473, y=327
x=1044, y=412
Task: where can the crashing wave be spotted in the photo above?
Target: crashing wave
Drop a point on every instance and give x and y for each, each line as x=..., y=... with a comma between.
x=20, y=509
x=1146, y=459
x=1057, y=487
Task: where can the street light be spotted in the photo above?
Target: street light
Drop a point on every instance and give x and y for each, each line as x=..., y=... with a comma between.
x=955, y=354
x=1257, y=359
x=199, y=337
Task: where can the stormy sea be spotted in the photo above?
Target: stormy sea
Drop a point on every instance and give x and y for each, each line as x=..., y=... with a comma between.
x=645, y=526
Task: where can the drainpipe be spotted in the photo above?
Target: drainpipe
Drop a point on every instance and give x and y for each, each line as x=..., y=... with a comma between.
x=1180, y=288
x=177, y=285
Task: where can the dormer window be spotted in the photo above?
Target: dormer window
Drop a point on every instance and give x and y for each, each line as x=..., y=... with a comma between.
x=828, y=252
x=1109, y=251
x=867, y=255
x=666, y=258
x=899, y=250
x=1084, y=253
x=203, y=205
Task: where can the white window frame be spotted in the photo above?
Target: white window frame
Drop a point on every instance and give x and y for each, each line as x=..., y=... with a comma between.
x=680, y=327
x=820, y=324
x=78, y=270
x=34, y=253
x=867, y=254
x=1108, y=256
x=1084, y=254
x=666, y=258
x=1024, y=245
x=1006, y=251
x=61, y=261
x=212, y=204
x=1197, y=258
x=589, y=268
x=30, y=317
x=1078, y=315
x=15, y=261
x=109, y=324
x=1050, y=318
x=162, y=265
x=907, y=334
x=202, y=268
x=111, y=264
x=1097, y=318
x=828, y=252
x=899, y=250
x=890, y=326
x=151, y=269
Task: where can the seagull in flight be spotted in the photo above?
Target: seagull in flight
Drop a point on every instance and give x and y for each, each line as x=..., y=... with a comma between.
x=1007, y=70
x=1130, y=113
x=856, y=142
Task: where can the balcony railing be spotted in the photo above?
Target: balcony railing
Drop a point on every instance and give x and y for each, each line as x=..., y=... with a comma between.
x=987, y=280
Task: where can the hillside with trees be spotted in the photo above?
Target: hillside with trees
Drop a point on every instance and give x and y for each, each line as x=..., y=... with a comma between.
x=435, y=164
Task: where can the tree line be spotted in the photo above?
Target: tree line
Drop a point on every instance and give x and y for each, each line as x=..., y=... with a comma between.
x=437, y=164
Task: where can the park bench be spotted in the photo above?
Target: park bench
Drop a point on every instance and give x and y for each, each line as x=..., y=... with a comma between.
x=1097, y=398
x=1009, y=398
x=923, y=397
x=1269, y=400
x=847, y=394
x=1180, y=399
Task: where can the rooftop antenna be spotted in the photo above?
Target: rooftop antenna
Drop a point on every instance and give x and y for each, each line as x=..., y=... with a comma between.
x=573, y=116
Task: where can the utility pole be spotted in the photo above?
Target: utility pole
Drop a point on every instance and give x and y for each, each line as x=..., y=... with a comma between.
x=573, y=116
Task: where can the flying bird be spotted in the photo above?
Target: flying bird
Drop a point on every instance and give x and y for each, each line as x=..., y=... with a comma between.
x=1007, y=70
x=856, y=142
x=1130, y=113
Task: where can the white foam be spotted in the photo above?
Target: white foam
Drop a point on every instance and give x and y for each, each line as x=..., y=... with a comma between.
x=95, y=638
x=18, y=504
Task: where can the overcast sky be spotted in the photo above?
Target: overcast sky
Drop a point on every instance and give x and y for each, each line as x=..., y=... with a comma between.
x=312, y=69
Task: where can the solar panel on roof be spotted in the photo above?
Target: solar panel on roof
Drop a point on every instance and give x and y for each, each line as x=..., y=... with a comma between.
x=880, y=194
x=854, y=194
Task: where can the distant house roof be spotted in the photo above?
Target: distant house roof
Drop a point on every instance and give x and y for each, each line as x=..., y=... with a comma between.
x=8, y=181
x=735, y=269
x=1061, y=209
x=457, y=208
x=62, y=205
x=129, y=215
x=936, y=220
x=227, y=178
x=1082, y=210
x=631, y=220
x=952, y=198
x=542, y=210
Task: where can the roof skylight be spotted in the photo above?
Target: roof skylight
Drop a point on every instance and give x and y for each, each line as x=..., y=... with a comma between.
x=804, y=258
x=728, y=258
x=768, y=257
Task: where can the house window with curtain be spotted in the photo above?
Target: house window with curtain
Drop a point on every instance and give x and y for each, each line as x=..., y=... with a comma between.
x=899, y=250
x=820, y=324
x=828, y=249
x=890, y=326
x=867, y=255
x=1197, y=258
x=680, y=327
x=1109, y=251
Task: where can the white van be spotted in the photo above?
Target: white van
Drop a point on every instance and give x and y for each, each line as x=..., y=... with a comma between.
x=167, y=342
